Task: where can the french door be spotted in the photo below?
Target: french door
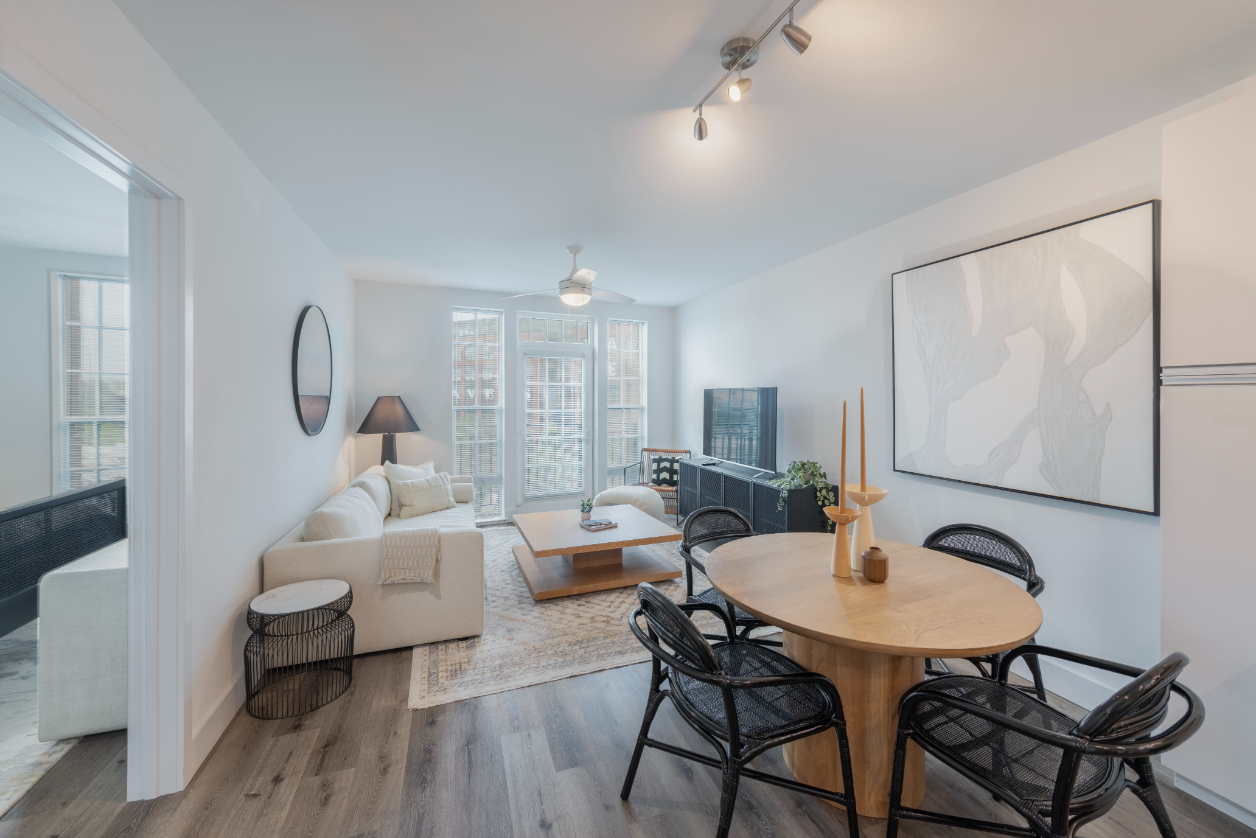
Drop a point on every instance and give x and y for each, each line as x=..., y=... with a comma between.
x=557, y=422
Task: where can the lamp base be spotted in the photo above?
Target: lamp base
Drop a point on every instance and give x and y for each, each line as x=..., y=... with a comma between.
x=388, y=449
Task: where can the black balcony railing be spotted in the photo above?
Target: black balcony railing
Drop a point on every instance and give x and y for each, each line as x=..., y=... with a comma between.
x=42, y=536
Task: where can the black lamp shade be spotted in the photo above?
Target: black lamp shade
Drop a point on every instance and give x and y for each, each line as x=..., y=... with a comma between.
x=388, y=416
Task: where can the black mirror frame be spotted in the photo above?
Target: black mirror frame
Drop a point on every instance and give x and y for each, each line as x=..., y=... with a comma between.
x=331, y=374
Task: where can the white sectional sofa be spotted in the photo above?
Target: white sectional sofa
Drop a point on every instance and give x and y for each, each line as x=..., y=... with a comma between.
x=396, y=615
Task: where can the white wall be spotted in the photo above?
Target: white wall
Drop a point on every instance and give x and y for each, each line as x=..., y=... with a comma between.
x=26, y=380
x=405, y=345
x=252, y=264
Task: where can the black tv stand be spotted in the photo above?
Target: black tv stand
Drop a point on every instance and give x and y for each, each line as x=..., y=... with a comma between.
x=738, y=487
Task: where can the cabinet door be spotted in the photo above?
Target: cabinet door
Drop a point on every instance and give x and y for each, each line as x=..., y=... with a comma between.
x=1208, y=269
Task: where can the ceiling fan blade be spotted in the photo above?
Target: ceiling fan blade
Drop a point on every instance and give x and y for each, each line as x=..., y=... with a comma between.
x=584, y=276
x=611, y=296
x=529, y=294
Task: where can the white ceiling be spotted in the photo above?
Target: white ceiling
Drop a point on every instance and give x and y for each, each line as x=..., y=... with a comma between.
x=465, y=144
x=49, y=201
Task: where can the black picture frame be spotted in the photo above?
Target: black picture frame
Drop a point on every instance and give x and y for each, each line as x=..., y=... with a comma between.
x=1155, y=205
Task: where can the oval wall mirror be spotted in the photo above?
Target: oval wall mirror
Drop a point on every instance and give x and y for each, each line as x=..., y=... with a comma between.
x=311, y=369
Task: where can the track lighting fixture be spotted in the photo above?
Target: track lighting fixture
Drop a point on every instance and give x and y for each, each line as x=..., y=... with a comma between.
x=740, y=54
x=795, y=36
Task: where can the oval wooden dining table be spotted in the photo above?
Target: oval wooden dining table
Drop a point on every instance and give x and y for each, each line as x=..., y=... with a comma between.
x=870, y=639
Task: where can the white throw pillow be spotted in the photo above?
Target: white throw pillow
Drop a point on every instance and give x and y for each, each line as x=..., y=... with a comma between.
x=428, y=494
x=396, y=473
x=463, y=492
x=350, y=514
x=375, y=484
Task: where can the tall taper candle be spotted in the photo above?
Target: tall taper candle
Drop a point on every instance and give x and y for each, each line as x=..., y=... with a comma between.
x=841, y=481
x=863, y=448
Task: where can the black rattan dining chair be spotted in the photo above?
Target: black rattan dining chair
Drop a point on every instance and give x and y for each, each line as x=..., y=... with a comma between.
x=989, y=547
x=740, y=697
x=710, y=527
x=1057, y=772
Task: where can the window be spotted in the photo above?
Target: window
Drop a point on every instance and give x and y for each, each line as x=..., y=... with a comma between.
x=553, y=330
x=556, y=357
x=91, y=390
x=477, y=400
x=625, y=399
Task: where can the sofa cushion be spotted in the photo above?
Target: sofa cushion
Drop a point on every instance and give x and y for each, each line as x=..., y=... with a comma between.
x=463, y=492
x=375, y=484
x=459, y=516
x=350, y=514
x=419, y=497
x=395, y=473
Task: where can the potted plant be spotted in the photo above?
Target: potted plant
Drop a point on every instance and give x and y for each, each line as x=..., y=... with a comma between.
x=803, y=473
x=586, y=509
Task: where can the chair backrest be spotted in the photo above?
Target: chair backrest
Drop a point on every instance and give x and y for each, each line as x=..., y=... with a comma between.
x=674, y=628
x=713, y=523
x=989, y=547
x=1137, y=709
x=647, y=459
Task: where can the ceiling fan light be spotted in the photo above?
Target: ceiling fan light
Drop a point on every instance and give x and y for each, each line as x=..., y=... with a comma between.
x=574, y=293
x=738, y=89
x=700, y=130
x=796, y=37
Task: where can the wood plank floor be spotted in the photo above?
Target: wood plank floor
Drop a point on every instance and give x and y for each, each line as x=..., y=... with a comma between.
x=543, y=761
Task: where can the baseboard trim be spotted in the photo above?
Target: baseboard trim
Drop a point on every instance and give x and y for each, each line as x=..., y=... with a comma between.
x=1216, y=801
x=206, y=734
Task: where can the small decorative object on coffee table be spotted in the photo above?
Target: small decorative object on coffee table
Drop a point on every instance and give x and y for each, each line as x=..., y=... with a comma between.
x=586, y=509
x=561, y=558
x=300, y=655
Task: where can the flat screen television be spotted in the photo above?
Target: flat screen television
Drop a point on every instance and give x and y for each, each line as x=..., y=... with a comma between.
x=739, y=426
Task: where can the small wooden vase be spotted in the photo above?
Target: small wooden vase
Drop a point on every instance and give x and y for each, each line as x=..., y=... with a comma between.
x=876, y=564
x=863, y=536
x=841, y=517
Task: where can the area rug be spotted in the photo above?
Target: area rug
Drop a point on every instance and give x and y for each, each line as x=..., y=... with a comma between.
x=23, y=758
x=526, y=642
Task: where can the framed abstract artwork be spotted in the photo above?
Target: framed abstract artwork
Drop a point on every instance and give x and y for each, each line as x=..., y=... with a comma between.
x=1033, y=365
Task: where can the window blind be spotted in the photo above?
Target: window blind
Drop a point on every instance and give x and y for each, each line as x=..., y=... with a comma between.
x=554, y=425
x=625, y=399
x=477, y=402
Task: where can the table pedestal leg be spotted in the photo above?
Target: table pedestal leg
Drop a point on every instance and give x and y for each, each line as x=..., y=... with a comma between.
x=871, y=685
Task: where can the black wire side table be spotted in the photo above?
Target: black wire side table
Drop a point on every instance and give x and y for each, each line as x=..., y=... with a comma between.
x=300, y=655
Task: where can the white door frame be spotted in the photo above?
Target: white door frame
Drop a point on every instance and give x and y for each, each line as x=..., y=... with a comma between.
x=158, y=480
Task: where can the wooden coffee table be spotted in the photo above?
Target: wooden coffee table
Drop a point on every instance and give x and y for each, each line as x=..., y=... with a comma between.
x=560, y=558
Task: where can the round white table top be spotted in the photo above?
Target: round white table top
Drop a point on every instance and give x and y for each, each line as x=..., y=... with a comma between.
x=299, y=596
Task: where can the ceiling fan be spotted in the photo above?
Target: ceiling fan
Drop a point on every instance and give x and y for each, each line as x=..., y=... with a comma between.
x=577, y=288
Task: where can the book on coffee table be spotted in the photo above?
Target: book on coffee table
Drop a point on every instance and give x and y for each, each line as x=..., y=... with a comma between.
x=598, y=524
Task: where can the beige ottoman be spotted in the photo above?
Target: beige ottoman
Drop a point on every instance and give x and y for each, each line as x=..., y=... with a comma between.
x=642, y=497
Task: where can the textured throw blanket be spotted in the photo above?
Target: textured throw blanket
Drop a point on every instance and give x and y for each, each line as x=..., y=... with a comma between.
x=409, y=556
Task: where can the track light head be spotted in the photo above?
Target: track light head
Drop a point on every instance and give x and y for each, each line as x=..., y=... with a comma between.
x=796, y=37
x=738, y=89
x=699, y=128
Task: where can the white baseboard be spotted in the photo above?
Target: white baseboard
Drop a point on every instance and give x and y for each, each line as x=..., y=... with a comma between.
x=207, y=733
x=1216, y=801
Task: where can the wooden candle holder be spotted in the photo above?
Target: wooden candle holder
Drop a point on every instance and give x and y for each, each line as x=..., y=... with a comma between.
x=841, y=517
x=863, y=536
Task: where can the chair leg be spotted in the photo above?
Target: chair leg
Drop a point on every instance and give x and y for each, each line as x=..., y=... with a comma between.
x=651, y=707
x=848, y=780
x=728, y=796
x=896, y=783
x=1149, y=793
x=1034, y=669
